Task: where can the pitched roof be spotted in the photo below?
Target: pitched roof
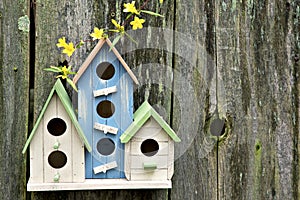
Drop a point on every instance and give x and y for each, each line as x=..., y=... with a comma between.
x=66, y=101
x=142, y=114
x=92, y=55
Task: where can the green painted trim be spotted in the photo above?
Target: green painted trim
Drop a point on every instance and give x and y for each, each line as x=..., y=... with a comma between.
x=66, y=101
x=143, y=113
x=134, y=127
x=150, y=166
x=165, y=126
x=38, y=121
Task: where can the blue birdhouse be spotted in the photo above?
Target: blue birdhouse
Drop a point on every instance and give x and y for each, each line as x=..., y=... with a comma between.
x=105, y=109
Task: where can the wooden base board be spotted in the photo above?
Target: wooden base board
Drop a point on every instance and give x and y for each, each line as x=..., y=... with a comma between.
x=99, y=184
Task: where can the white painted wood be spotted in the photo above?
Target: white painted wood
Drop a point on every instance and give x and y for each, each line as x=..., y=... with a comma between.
x=96, y=184
x=151, y=130
x=106, y=167
x=171, y=159
x=127, y=160
x=106, y=129
x=137, y=162
x=56, y=109
x=157, y=134
x=136, y=148
x=105, y=91
x=151, y=123
x=77, y=157
x=36, y=155
x=141, y=174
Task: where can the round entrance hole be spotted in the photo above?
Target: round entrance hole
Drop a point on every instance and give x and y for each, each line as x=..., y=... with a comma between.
x=149, y=147
x=106, y=146
x=57, y=159
x=105, y=109
x=217, y=127
x=56, y=126
x=105, y=70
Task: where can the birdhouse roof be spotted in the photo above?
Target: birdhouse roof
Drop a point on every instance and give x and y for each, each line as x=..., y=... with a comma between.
x=143, y=113
x=66, y=102
x=92, y=55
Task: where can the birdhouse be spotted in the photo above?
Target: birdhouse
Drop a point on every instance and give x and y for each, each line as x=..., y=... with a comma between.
x=56, y=143
x=105, y=109
x=149, y=146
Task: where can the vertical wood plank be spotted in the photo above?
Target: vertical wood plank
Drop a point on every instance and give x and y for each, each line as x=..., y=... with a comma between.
x=195, y=172
x=14, y=99
x=254, y=55
x=36, y=158
x=77, y=157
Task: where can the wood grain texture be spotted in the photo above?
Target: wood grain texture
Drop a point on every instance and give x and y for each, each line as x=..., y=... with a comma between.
x=254, y=45
x=14, y=99
x=195, y=170
x=255, y=50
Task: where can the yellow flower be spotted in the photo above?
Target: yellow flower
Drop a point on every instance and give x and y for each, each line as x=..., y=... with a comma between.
x=130, y=7
x=118, y=26
x=137, y=23
x=97, y=34
x=61, y=42
x=62, y=76
x=69, y=49
x=161, y=1
x=65, y=70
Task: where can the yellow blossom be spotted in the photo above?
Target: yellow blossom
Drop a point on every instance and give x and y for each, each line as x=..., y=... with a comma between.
x=130, y=7
x=62, y=76
x=61, y=42
x=137, y=23
x=118, y=26
x=69, y=49
x=161, y=1
x=64, y=70
x=97, y=34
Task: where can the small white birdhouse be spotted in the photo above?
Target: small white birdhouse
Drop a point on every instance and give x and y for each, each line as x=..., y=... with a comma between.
x=149, y=147
x=56, y=143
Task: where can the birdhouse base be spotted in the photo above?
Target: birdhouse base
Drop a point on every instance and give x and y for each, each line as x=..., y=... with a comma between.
x=99, y=184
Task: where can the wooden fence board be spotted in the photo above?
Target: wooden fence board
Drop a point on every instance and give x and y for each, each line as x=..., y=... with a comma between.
x=258, y=158
x=196, y=157
x=241, y=57
x=14, y=98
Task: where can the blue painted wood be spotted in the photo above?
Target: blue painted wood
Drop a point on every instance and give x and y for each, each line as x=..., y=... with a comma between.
x=121, y=119
x=85, y=119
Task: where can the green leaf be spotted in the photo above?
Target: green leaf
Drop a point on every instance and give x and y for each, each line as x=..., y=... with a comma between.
x=131, y=38
x=58, y=68
x=116, y=40
x=152, y=13
x=114, y=30
x=72, y=84
x=128, y=16
x=80, y=44
x=52, y=70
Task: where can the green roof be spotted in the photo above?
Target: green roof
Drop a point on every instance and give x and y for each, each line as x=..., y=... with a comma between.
x=66, y=101
x=143, y=113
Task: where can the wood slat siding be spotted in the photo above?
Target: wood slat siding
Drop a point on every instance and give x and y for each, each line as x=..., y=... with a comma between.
x=256, y=51
x=14, y=99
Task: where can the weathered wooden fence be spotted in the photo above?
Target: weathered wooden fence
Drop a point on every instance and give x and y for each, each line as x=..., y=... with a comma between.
x=241, y=57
